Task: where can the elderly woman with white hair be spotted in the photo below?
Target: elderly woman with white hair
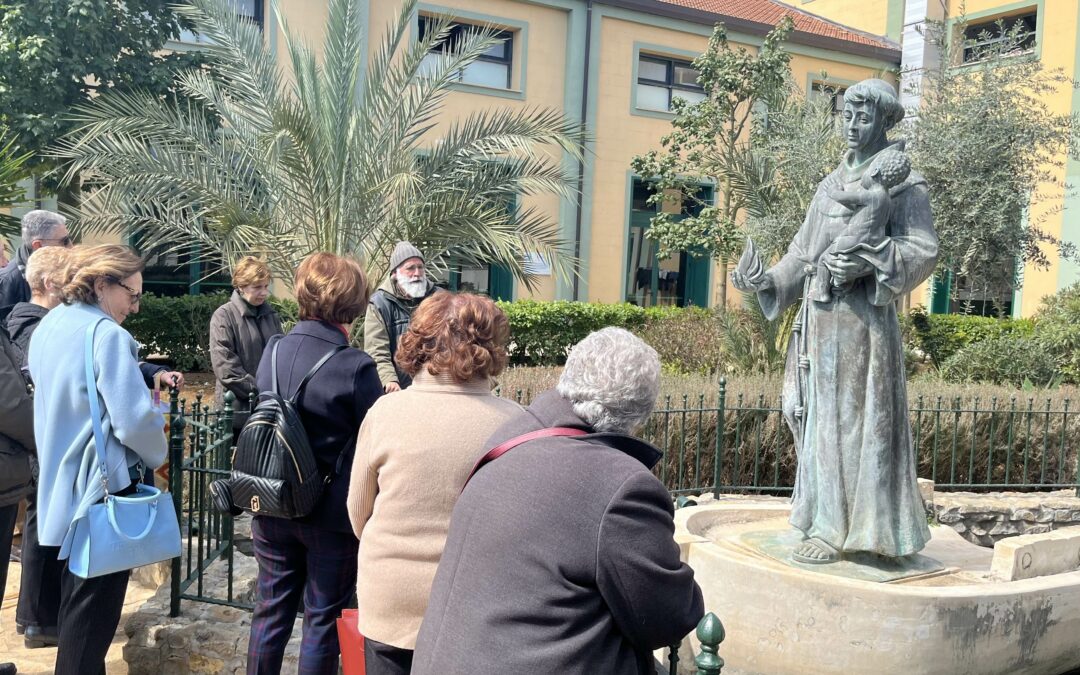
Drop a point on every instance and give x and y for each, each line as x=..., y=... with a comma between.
x=560, y=556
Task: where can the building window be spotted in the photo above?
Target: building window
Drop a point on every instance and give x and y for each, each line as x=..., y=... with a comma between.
x=833, y=93
x=251, y=10
x=680, y=280
x=1016, y=34
x=493, y=68
x=662, y=80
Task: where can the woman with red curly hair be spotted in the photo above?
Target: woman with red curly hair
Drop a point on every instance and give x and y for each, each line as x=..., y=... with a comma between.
x=415, y=451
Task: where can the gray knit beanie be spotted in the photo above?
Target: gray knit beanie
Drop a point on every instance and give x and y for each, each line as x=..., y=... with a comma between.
x=402, y=252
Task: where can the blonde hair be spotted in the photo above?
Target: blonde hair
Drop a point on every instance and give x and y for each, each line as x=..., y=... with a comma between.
x=250, y=271
x=331, y=287
x=47, y=263
x=87, y=264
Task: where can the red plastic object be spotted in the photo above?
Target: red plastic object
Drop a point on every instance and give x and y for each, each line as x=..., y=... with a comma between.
x=352, y=644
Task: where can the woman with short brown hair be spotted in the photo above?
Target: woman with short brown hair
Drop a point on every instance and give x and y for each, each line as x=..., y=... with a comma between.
x=239, y=331
x=313, y=558
x=415, y=452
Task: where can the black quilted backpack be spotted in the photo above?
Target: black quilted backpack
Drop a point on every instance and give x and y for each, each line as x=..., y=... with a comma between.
x=274, y=472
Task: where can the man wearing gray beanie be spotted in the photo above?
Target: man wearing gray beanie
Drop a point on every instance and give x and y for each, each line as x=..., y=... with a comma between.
x=391, y=309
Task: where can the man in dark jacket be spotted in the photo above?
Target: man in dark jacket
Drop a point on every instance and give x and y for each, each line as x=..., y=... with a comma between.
x=16, y=450
x=560, y=556
x=39, y=228
x=391, y=309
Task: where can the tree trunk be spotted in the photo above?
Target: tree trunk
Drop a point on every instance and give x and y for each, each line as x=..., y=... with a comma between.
x=723, y=281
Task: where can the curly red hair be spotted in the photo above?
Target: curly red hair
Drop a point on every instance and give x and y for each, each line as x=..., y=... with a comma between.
x=458, y=334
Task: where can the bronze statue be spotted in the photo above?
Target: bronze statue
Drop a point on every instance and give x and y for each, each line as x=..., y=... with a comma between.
x=845, y=395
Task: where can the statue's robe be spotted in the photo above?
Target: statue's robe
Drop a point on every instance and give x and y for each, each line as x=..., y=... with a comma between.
x=856, y=486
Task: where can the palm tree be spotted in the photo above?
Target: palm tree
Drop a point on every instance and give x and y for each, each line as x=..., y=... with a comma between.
x=11, y=170
x=330, y=156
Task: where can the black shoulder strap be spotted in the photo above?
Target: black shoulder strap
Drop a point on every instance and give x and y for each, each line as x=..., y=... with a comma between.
x=311, y=373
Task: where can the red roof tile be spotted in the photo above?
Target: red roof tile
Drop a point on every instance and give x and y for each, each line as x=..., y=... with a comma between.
x=771, y=11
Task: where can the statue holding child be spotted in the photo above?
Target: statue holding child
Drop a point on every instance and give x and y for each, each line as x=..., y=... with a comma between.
x=867, y=241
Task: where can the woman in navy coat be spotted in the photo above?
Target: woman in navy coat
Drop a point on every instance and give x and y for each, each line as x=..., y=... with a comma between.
x=310, y=562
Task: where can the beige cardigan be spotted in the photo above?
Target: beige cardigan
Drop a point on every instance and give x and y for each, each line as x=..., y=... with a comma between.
x=415, y=450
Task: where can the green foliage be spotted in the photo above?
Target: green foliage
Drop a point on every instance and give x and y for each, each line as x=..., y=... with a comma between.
x=940, y=336
x=541, y=333
x=309, y=165
x=1057, y=330
x=993, y=152
x=55, y=54
x=1003, y=359
x=710, y=143
x=688, y=339
x=796, y=146
x=11, y=170
x=178, y=327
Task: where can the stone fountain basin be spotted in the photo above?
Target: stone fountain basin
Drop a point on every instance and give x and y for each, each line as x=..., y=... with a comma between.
x=785, y=619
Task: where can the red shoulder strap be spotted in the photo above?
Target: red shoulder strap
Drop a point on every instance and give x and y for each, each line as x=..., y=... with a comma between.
x=500, y=450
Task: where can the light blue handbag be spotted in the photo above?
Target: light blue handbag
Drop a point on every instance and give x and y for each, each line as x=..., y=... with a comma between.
x=120, y=533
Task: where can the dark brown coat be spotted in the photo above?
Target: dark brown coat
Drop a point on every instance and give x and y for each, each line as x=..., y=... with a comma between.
x=238, y=335
x=560, y=559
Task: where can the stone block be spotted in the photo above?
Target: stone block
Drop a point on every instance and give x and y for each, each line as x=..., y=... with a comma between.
x=1036, y=555
x=949, y=517
x=1044, y=516
x=1022, y=514
x=926, y=489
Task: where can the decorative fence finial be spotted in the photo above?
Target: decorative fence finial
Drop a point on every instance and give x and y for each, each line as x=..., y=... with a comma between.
x=711, y=633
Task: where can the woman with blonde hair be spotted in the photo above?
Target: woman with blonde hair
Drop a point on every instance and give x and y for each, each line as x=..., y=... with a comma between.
x=399, y=505
x=104, y=288
x=239, y=331
x=310, y=562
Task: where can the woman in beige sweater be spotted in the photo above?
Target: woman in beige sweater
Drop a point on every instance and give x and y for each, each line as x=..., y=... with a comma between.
x=415, y=451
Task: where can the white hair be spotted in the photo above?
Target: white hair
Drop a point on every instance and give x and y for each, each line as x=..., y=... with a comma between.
x=39, y=223
x=612, y=379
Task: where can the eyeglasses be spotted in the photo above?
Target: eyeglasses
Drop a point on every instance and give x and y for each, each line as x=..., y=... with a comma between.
x=135, y=295
x=66, y=242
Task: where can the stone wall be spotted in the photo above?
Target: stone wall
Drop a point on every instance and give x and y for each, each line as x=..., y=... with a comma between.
x=986, y=518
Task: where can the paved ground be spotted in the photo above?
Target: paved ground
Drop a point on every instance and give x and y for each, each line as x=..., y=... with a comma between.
x=40, y=661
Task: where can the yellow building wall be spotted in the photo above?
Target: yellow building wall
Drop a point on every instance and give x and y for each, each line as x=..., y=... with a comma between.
x=871, y=16
x=621, y=135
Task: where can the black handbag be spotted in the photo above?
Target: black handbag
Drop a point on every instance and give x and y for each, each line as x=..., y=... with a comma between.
x=274, y=471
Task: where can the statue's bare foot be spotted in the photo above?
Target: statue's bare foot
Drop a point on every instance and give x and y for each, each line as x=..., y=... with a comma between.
x=814, y=551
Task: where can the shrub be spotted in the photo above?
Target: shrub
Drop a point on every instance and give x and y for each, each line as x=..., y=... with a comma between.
x=940, y=336
x=689, y=340
x=1004, y=359
x=541, y=333
x=178, y=327
x=1057, y=330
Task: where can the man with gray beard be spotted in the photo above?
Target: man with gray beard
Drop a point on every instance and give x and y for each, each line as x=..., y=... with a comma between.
x=391, y=310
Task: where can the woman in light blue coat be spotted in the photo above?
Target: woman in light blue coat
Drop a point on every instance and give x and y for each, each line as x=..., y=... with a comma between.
x=104, y=288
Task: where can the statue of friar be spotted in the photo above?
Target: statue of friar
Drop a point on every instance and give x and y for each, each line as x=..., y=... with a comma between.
x=867, y=241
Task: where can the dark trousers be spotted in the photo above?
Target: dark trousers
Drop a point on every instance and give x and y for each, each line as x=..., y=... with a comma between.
x=8, y=516
x=89, y=614
x=39, y=593
x=299, y=562
x=380, y=659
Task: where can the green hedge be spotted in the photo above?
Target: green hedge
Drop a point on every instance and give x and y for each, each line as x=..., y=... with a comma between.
x=940, y=336
x=542, y=332
x=690, y=340
x=178, y=327
x=1057, y=330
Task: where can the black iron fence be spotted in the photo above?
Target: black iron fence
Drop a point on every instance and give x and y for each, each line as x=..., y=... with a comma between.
x=711, y=444
x=200, y=452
